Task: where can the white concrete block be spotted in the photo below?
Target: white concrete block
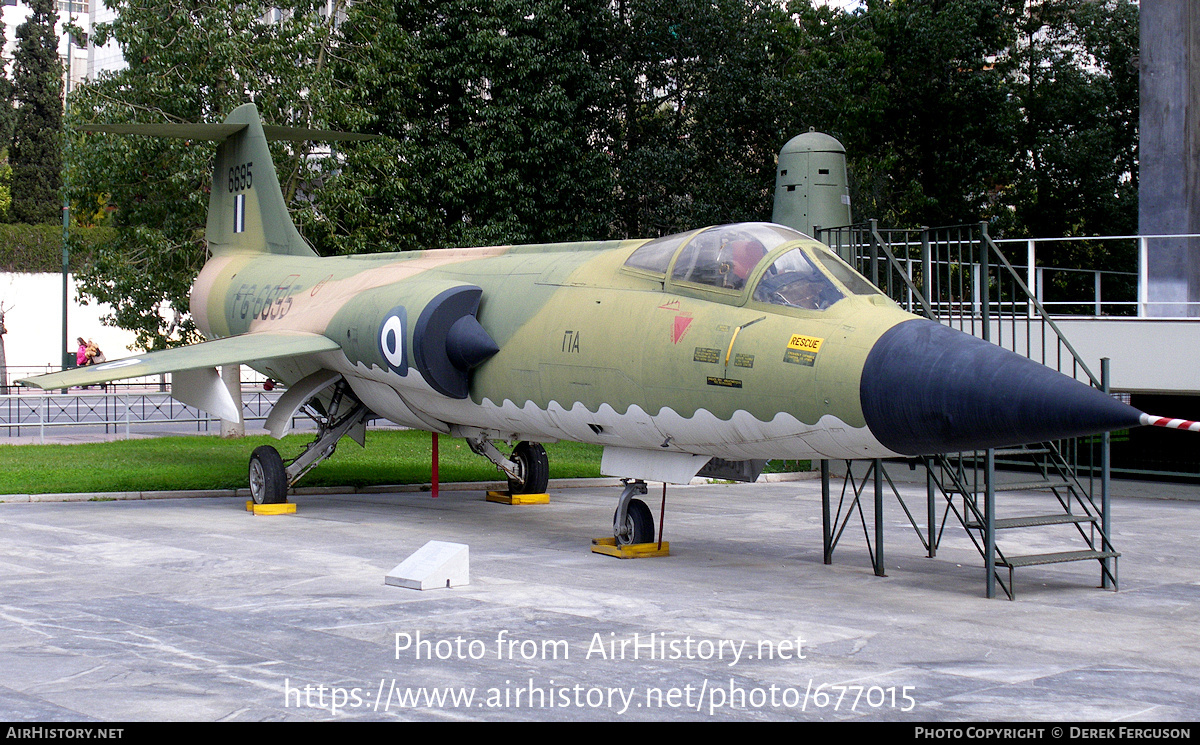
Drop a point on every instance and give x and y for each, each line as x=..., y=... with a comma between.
x=436, y=564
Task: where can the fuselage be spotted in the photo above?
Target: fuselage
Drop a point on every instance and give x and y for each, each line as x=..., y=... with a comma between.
x=592, y=348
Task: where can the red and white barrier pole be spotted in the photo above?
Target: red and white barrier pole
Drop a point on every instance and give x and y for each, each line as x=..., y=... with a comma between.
x=1162, y=421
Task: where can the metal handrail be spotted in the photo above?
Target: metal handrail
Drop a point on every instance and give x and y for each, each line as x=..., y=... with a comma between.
x=116, y=410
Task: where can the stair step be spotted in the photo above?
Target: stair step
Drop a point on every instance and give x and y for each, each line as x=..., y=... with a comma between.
x=1021, y=451
x=1015, y=486
x=1032, y=485
x=1054, y=558
x=1032, y=520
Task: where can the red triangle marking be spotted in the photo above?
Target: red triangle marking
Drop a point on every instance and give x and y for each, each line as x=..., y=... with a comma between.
x=680, y=328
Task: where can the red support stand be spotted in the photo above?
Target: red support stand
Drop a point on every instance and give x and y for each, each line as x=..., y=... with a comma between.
x=435, y=465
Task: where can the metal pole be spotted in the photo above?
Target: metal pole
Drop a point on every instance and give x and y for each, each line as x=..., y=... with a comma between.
x=662, y=515
x=874, y=254
x=434, y=466
x=1031, y=273
x=1105, y=475
x=930, y=494
x=989, y=520
x=66, y=208
x=1143, y=277
x=985, y=288
x=927, y=268
x=880, y=570
x=826, y=524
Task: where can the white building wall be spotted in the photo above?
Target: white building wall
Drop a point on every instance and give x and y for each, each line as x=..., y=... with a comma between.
x=33, y=304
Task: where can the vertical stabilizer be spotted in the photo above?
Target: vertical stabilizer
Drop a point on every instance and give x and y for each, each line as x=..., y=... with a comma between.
x=246, y=212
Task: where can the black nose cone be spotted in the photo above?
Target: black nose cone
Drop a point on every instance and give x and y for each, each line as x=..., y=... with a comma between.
x=468, y=345
x=927, y=388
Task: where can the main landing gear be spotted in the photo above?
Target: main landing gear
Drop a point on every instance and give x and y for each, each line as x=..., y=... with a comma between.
x=633, y=522
x=270, y=477
x=527, y=470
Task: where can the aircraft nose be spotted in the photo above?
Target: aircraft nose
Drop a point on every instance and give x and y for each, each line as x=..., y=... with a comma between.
x=927, y=388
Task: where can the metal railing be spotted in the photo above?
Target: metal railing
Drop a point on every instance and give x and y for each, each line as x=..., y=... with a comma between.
x=117, y=412
x=958, y=276
x=1060, y=272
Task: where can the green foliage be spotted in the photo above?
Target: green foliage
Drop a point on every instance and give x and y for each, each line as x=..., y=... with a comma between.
x=489, y=111
x=700, y=112
x=36, y=153
x=1021, y=113
x=544, y=121
x=938, y=140
x=1075, y=79
x=220, y=54
x=38, y=248
x=550, y=120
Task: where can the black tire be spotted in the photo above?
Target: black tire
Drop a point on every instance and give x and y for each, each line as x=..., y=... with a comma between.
x=535, y=467
x=268, y=478
x=639, y=524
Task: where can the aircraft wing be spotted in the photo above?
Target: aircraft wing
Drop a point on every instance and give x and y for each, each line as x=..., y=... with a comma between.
x=262, y=345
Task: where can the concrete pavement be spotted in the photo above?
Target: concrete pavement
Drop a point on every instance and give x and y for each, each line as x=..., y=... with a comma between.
x=174, y=609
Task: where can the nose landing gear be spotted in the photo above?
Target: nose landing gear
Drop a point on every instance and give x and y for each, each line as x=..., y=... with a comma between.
x=633, y=522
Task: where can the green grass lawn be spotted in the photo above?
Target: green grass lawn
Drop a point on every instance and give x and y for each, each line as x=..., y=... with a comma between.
x=208, y=462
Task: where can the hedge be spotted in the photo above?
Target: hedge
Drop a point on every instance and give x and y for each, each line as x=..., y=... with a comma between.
x=38, y=248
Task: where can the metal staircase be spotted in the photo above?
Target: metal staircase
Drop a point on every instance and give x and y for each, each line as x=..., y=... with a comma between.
x=959, y=277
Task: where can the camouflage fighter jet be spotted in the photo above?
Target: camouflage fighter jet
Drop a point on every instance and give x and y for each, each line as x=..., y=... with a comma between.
x=709, y=351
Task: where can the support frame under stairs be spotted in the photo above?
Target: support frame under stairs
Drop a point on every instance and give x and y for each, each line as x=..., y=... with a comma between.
x=958, y=276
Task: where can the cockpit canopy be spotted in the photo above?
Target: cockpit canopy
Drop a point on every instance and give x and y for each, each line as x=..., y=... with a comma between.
x=726, y=257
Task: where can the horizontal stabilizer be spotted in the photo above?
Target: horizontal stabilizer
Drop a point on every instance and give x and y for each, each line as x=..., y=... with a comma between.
x=233, y=350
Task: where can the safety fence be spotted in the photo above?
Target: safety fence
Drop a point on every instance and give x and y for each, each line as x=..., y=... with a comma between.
x=1061, y=274
x=118, y=412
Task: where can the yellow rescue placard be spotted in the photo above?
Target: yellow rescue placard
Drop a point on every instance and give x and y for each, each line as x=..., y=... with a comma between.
x=802, y=350
x=805, y=343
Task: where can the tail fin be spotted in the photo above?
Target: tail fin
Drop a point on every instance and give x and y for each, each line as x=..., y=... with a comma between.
x=246, y=211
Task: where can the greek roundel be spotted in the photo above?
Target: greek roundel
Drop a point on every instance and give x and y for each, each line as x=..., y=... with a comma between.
x=391, y=340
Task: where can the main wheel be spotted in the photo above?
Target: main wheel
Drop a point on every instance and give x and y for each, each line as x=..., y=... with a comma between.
x=268, y=478
x=535, y=467
x=638, y=527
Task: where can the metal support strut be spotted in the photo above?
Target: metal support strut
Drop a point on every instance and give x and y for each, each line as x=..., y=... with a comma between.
x=480, y=444
x=331, y=428
x=623, y=527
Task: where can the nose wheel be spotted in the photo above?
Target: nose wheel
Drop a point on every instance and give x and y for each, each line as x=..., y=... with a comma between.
x=633, y=522
x=638, y=526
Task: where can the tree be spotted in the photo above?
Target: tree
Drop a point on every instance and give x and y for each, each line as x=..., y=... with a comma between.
x=36, y=153
x=702, y=111
x=220, y=54
x=551, y=120
x=531, y=120
x=1075, y=78
x=489, y=114
x=931, y=140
